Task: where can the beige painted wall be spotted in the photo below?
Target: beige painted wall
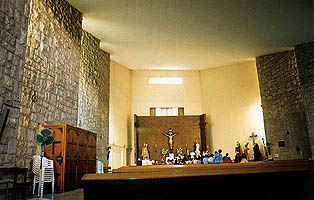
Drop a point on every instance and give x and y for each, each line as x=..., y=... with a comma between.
x=120, y=113
x=231, y=101
x=229, y=96
x=187, y=95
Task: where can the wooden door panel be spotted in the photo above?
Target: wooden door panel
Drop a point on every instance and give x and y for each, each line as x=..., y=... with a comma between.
x=55, y=149
x=70, y=175
x=58, y=176
x=72, y=141
x=81, y=170
x=91, y=166
x=91, y=148
x=82, y=145
x=55, y=153
x=74, y=154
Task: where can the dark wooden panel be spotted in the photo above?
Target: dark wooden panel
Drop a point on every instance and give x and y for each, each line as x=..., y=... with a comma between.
x=149, y=130
x=55, y=153
x=91, y=147
x=70, y=179
x=82, y=145
x=74, y=154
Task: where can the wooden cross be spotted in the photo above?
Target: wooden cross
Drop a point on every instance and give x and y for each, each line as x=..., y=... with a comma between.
x=253, y=137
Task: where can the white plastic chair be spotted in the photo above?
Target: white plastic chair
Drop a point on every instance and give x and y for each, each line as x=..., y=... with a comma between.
x=47, y=173
x=36, y=171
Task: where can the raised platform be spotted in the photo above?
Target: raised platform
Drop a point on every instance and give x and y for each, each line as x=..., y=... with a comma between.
x=256, y=180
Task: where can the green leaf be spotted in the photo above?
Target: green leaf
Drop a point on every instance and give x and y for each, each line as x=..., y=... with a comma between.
x=46, y=132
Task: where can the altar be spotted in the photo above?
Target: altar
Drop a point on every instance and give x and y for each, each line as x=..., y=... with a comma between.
x=255, y=180
x=169, y=134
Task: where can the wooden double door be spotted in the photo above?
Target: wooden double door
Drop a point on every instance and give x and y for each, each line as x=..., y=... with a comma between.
x=74, y=154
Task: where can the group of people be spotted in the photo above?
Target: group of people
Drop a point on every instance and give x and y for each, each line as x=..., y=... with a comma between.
x=216, y=158
x=194, y=158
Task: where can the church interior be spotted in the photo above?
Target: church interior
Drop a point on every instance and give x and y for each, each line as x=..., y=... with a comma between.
x=157, y=97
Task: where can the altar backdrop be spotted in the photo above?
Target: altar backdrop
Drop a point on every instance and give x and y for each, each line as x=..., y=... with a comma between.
x=149, y=130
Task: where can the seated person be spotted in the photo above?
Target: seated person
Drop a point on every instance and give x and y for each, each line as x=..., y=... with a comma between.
x=205, y=159
x=218, y=157
x=226, y=158
x=211, y=158
x=244, y=159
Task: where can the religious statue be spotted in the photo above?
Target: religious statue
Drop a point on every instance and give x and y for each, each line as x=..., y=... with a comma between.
x=257, y=153
x=265, y=149
x=247, y=152
x=179, y=152
x=197, y=149
x=145, y=153
x=206, y=152
x=108, y=152
x=170, y=136
x=238, y=155
x=164, y=153
x=187, y=152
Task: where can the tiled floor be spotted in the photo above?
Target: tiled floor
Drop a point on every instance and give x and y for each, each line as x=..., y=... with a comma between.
x=75, y=195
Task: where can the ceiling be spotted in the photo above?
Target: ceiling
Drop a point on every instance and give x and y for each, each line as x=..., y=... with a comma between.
x=195, y=34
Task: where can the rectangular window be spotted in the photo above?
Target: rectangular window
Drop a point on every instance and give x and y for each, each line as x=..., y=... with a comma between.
x=168, y=111
x=165, y=80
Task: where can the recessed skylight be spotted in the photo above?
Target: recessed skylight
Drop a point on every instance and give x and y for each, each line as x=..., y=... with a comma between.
x=165, y=80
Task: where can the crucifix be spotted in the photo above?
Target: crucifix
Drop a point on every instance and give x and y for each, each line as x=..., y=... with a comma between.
x=253, y=137
x=170, y=136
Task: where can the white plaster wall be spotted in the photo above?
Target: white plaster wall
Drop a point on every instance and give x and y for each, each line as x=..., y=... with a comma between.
x=119, y=113
x=232, y=103
x=187, y=95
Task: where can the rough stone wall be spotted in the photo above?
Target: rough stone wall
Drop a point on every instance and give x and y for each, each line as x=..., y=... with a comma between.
x=93, y=102
x=13, y=30
x=283, y=105
x=51, y=72
x=305, y=61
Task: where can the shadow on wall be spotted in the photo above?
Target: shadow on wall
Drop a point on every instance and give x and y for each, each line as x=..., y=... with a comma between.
x=130, y=137
x=209, y=133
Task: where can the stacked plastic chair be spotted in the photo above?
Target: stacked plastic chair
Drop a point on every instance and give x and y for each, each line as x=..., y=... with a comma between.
x=36, y=171
x=47, y=174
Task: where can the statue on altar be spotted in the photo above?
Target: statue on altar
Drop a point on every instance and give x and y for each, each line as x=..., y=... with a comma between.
x=145, y=153
x=170, y=134
x=257, y=153
x=265, y=149
x=247, y=152
x=164, y=153
x=238, y=151
x=197, y=149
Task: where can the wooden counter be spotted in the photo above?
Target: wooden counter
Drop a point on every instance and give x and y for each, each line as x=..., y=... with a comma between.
x=277, y=179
